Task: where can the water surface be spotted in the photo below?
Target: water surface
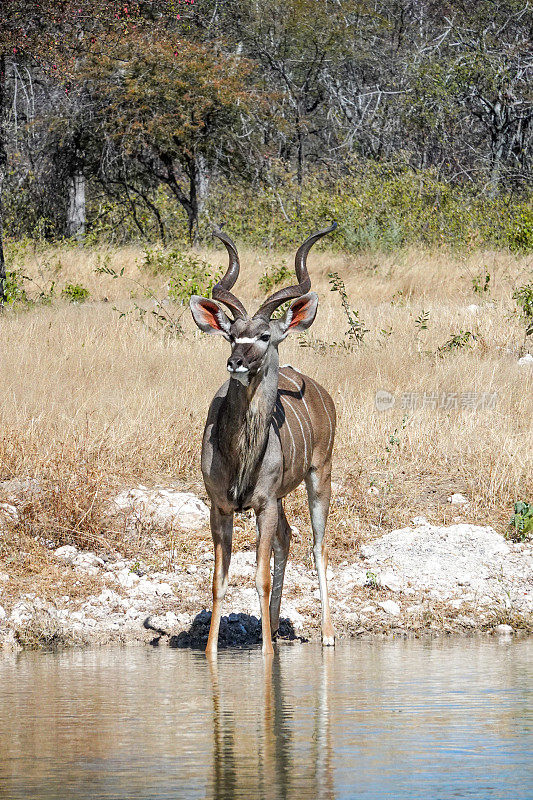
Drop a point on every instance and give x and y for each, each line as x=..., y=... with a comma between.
x=372, y=719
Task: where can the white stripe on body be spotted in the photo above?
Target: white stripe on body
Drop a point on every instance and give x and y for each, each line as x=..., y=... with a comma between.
x=317, y=387
x=301, y=428
x=293, y=445
x=301, y=391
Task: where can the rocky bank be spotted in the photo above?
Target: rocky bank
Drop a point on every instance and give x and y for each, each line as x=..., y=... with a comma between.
x=416, y=580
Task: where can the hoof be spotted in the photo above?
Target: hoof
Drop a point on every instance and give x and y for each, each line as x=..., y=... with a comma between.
x=328, y=641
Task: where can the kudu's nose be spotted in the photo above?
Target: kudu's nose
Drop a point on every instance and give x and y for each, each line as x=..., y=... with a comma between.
x=236, y=364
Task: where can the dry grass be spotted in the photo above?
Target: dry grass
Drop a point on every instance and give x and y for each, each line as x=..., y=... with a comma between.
x=91, y=401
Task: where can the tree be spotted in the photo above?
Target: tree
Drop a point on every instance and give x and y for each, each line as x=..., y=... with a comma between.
x=56, y=35
x=176, y=108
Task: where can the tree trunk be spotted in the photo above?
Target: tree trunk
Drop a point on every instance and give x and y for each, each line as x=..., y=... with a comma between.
x=299, y=162
x=3, y=167
x=76, y=211
x=199, y=189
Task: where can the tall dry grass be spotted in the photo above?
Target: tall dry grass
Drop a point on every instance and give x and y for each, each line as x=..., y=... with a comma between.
x=92, y=401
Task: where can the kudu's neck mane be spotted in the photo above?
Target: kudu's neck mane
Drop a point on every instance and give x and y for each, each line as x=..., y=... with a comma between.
x=244, y=424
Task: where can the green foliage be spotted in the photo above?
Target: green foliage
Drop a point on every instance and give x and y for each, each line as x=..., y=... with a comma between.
x=13, y=288
x=356, y=331
x=421, y=322
x=520, y=234
x=521, y=523
x=481, y=283
x=372, y=580
x=188, y=273
x=75, y=293
x=457, y=341
x=524, y=300
x=394, y=440
x=159, y=319
x=379, y=207
x=273, y=277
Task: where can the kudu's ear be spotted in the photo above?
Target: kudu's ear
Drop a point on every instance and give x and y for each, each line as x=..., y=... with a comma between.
x=300, y=314
x=209, y=316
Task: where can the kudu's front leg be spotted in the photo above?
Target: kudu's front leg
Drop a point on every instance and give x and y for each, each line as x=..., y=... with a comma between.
x=280, y=546
x=222, y=532
x=267, y=524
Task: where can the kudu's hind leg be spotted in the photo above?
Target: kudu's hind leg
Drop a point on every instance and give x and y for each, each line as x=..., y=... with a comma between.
x=280, y=546
x=222, y=532
x=318, y=484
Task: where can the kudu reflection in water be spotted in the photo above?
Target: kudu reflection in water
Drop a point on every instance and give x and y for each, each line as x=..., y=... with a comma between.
x=279, y=770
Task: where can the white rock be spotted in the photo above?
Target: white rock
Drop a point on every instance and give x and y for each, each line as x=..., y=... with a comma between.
x=127, y=578
x=2, y=613
x=192, y=568
x=435, y=558
x=163, y=589
x=145, y=586
x=8, y=513
x=526, y=360
x=390, y=581
x=243, y=564
x=352, y=618
x=165, y=506
x=418, y=521
x=133, y=613
x=4, y=577
x=21, y=613
x=390, y=607
x=67, y=553
x=458, y=499
x=87, y=559
x=473, y=308
x=294, y=616
x=171, y=619
x=373, y=490
x=108, y=596
x=504, y=630
x=86, y=570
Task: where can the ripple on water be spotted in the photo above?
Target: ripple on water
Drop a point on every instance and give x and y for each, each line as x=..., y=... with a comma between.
x=370, y=719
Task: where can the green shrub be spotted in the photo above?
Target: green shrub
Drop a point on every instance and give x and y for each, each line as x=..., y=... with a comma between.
x=75, y=293
x=273, y=277
x=188, y=273
x=13, y=289
x=524, y=300
x=481, y=283
x=457, y=341
x=520, y=234
x=379, y=206
x=521, y=523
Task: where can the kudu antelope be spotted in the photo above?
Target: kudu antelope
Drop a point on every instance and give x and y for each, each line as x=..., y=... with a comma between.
x=268, y=429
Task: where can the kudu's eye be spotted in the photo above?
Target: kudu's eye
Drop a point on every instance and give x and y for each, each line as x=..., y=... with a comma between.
x=265, y=337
